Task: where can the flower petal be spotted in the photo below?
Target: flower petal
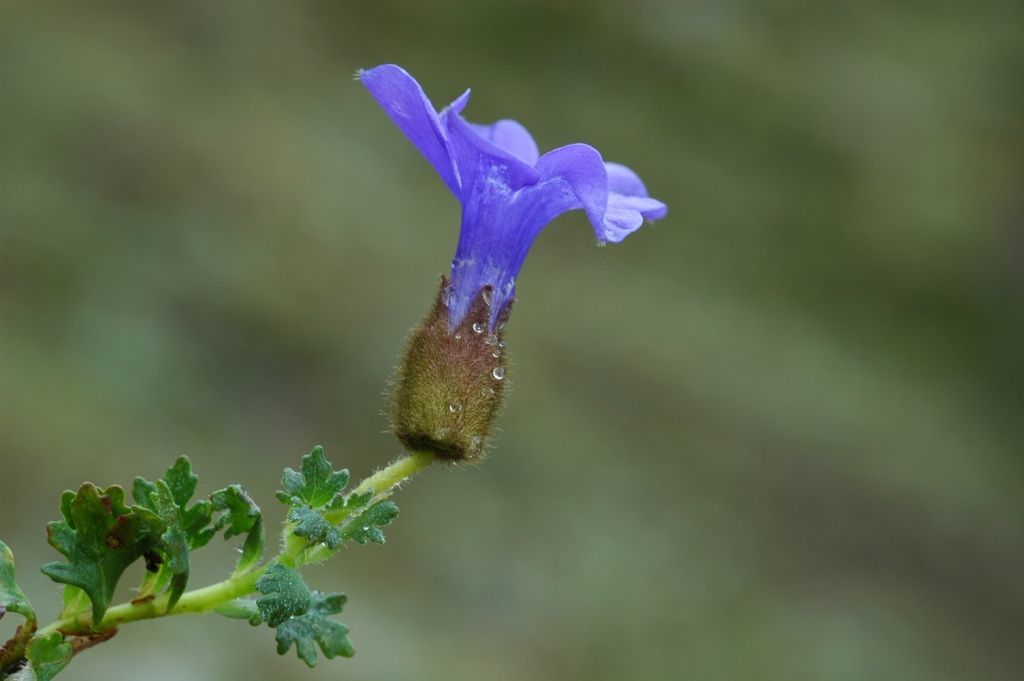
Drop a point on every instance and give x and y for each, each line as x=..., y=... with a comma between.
x=479, y=160
x=611, y=194
x=627, y=190
x=510, y=136
x=457, y=105
x=405, y=103
x=650, y=209
x=622, y=180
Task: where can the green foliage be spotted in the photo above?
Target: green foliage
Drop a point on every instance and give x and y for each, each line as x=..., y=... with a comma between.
x=316, y=485
x=311, y=524
x=174, y=541
x=186, y=527
x=285, y=595
x=47, y=656
x=322, y=514
x=191, y=527
x=241, y=516
x=365, y=527
x=100, y=536
x=311, y=494
x=12, y=598
x=180, y=482
x=314, y=629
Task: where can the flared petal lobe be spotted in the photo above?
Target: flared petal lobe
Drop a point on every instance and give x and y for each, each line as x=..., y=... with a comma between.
x=512, y=137
x=405, y=103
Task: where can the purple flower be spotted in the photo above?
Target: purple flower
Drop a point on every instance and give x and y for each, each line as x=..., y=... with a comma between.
x=508, y=191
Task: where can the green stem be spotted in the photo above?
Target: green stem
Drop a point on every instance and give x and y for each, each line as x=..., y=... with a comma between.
x=383, y=482
x=195, y=601
x=294, y=553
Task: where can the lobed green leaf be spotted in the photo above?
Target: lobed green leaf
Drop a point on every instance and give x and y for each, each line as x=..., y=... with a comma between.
x=313, y=629
x=240, y=515
x=174, y=542
x=314, y=527
x=100, y=537
x=187, y=527
x=181, y=484
x=316, y=485
x=366, y=526
x=12, y=598
x=47, y=656
x=285, y=595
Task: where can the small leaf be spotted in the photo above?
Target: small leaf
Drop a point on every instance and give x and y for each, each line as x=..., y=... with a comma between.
x=181, y=485
x=142, y=491
x=100, y=537
x=241, y=516
x=365, y=527
x=352, y=501
x=48, y=655
x=181, y=481
x=312, y=525
x=187, y=527
x=318, y=483
x=12, y=598
x=314, y=629
x=173, y=542
x=284, y=595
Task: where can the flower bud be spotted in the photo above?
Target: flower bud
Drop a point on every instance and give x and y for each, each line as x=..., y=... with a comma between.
x=450, y=381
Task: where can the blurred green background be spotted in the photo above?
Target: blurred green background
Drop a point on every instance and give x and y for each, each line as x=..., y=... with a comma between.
x=776, y=436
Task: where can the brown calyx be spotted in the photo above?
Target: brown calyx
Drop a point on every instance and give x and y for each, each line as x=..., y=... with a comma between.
x=450, y=384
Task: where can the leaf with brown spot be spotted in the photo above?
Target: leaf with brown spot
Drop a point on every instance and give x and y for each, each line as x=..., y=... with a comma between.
x=100, y=537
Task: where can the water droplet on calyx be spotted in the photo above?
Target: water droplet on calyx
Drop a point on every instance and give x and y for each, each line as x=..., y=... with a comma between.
x=455, y=407
x=498, y=373
x=487, y=296
x=491, y=339
x=478, y=327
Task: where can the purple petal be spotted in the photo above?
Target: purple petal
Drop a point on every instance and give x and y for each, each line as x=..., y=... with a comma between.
x=405, y=103
x=650, y=209
x=580, y=169
x=622, y=180
x=612, y=195
x=479, y=160
x=456, y=106
x=508, y=192
x=627, y=190
x=512, y=137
